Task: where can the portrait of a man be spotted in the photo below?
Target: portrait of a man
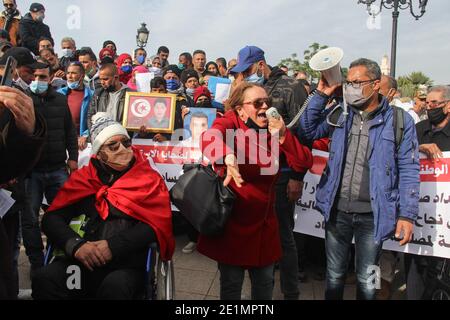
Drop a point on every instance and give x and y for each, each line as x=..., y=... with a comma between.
x=161, y=119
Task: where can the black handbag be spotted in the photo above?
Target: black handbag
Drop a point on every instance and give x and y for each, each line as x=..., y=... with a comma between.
x=203, y=200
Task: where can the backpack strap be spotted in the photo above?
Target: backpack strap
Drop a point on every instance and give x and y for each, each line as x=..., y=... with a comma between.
x=399, y=126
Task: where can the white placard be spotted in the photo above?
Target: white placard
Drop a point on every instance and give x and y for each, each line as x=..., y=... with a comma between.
x=432, y=228
x=222, y=92
x=143, y=81
x=6, y=202
x=84, y=156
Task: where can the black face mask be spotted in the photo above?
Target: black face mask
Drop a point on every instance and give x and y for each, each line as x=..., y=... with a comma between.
x=252, y=125
x=107, y=60
x=203, y=104
x=436, y=116
x=111, y=88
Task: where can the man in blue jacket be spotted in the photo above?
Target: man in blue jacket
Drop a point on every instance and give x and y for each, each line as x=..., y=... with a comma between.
x=369, y=190
x=79, y=98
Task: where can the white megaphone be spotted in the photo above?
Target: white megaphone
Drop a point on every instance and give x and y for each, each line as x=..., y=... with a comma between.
x=328, y=62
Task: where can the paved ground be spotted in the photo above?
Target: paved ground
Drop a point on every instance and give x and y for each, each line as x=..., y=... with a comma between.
x=197, y=278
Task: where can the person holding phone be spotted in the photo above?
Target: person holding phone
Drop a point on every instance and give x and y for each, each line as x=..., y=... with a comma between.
x=50, y=173
x=22, y=134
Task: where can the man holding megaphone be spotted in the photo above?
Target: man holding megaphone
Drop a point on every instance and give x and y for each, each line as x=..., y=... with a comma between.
x=369, y=190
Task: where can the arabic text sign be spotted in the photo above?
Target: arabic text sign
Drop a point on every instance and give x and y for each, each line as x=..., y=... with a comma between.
x=435, y=171
x=168, y=153
x=432, y=228
x=168, y=159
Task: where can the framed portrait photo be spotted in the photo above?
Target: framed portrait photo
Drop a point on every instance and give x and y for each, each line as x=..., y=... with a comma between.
x=197, y=121
x=155, y=111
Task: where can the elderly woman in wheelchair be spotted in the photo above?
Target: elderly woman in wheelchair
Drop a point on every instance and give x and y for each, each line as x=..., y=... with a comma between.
x=103, y=222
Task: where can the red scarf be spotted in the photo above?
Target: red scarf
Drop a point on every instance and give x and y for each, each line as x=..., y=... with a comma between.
x=140, y=193
x=123, y=77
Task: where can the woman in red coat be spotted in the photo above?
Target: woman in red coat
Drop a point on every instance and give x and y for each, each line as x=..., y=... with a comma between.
x=251, y=240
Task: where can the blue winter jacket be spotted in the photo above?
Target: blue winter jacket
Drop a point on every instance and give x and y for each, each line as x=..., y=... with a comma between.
x=394, y=176
x=88, y=94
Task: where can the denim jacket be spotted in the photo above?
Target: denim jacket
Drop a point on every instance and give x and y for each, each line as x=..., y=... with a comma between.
x=84, y=131
x=394, y=172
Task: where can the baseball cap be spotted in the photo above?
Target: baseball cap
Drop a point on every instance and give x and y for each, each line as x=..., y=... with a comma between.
x=421, y=92
x=23, y=57
x=36, y=7
x=247, y=57
x=172, y=68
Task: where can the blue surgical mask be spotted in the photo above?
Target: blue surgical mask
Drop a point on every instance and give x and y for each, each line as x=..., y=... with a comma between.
x=190, y=92
x=255, y=78
x=172, y=84
x=181, y=66
x=73, y=85
x=126, y=69
x=38, y=87
x=141, y=59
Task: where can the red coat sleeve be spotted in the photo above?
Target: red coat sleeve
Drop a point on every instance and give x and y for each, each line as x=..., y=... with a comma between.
x=299, y=157
x=321, y=144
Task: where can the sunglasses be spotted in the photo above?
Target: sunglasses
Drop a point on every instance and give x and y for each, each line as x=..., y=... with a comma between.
x=259, y=103
x=114, y=146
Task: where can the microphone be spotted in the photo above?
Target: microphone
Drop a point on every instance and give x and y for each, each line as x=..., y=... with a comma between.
x=273, y=113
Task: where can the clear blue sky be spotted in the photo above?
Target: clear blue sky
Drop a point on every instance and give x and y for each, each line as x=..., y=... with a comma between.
x=282, y=27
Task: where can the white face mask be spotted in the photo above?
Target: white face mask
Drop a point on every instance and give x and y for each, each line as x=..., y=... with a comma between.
x=40, y=18
x=22, y=83
x=355, y=96
x=68, y=53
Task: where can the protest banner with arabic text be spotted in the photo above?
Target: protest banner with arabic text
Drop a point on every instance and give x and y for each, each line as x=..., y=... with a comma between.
x=432, y=228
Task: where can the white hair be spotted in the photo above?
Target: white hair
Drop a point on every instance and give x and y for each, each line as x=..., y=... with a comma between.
x=68, y=39
x=444, y=89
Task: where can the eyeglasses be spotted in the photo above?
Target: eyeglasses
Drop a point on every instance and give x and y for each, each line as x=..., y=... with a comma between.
x=114, y=146
x=357, y=84
x=259, y=103
x=435, y=104
x=8, y=5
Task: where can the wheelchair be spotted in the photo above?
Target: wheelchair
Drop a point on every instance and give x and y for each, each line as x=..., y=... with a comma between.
x=442, y=283
x=159, y=275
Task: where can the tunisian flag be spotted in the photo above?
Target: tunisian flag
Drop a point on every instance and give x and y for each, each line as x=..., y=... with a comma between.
x=140, y=193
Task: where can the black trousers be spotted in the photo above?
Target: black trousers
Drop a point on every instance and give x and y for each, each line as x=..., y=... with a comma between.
x=7, y=290
x=56, y=282
x=289, y=261
x=9, y=277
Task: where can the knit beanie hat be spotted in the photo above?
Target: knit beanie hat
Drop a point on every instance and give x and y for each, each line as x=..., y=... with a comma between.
x=172, y=68
x=187, y=74
x=104, y=128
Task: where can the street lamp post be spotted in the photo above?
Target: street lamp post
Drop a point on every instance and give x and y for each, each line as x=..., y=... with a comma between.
x=142, y=36
x=397, y=5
